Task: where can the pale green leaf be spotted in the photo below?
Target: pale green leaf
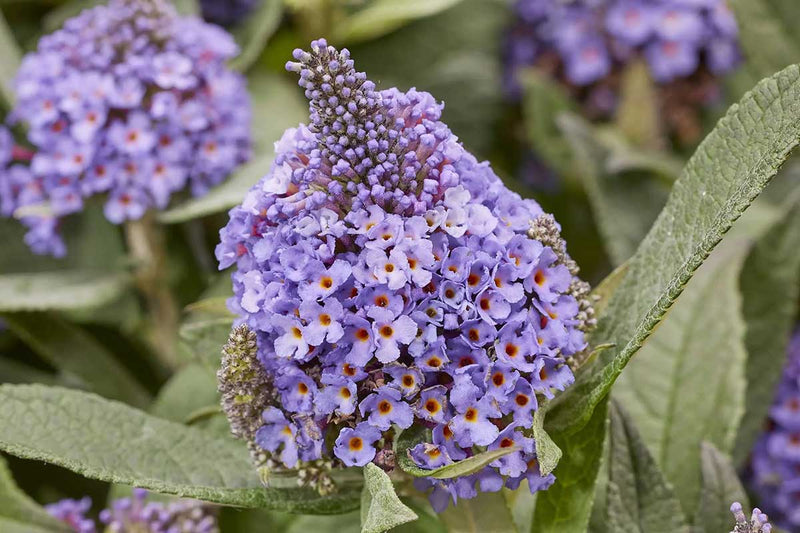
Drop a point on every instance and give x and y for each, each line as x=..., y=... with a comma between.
x=486, y=513
x=721, y=487
x=770, y=286
x=638, y=114
x=547, y=452
x=277, y=105
x=379, y=17
x=59, y=290
x=381, y=509
x=17, y=506
x=415, y=435
x=687, y=385
x=10, y=58
x=192, y=388
x=113, y=442
x=602, y=293
x=639, y=499
x=75, y=352
x=566, y=506
x=729, y=170
x=767, y=34
x=254, y=32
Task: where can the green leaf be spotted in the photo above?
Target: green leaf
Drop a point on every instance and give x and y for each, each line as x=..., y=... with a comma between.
x=767, y=34
x=381, y=509
x=612, y=195
x=10, y=58
x=418, y=434
x=639, y=499
x=380, y=17
x=638, y=115
x=486, y=513
x=547, y=452
x=208, y=323
x=729, y=170
x=277, y=105
x=770, y=287
x=191, y=388
x=61, y=290
x=543, y=103
x=254, y=32
x=687, y=385
x=113, y=442
x=565, y=507
x=73, y=351
x=16, y=506
x=605, y=289
x=721, y=487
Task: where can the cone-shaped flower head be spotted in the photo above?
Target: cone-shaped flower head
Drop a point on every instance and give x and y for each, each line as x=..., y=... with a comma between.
x=775, y=463
x=757, y=523
x=129, y=100
x=137, y=515
x=392, y=280
x=587, y=42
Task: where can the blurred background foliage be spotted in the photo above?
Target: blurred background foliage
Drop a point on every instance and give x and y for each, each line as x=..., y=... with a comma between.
x=79, y=322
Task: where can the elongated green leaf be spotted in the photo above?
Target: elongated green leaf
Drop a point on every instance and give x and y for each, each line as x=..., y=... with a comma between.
x=687, y=385
x=277, y=105
x=547, y=452
x=770, y=285
x=612, y=196
x=565, y=507
x=381, y=509
x=767, y=34
x=73, y=351
x=110, y=441
x=191, y=388
x=638, y=115
x=729, y=170
x=486, y=513
x=59, y=290
x=721, y=487
x=10, y=57
x=254, y=32
x=382, y=16
x=16, y=506
x=639, y=499
x=415, y=435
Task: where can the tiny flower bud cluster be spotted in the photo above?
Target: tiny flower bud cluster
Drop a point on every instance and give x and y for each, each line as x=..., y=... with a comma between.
x=227, y=12
x=586, y=41
x=136, y=514
x=758, y=523
x=775, y=464
x=393, y=280
x=128, y=100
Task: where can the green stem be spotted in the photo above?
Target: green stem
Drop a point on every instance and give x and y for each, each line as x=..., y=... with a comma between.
x=146, y=244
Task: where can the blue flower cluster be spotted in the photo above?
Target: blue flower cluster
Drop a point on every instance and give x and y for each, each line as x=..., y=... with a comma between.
x=775, y=464
x=130, y=100
x=588, y=39
x=227, y=12
x=393, y=280
x=135, y=514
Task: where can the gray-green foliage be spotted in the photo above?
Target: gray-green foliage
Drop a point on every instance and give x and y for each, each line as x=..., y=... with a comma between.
x=687, y=384
x=486, y=513
x=10, y=57
x=61, y=290
x=639, y=499
x=381, y=509
x=254, y=32
x=379, y=17
x=770, y=285
x=729, y=170
x=20, y=511
x=110, y=441
x=720, y=488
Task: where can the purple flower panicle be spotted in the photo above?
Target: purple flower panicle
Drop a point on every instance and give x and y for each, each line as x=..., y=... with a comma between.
x=136, y=514
x=775, y=463
x=128, y=100
x=393, y=281
x=758, y=522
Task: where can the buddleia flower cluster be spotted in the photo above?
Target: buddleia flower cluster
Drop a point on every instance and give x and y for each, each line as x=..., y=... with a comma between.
x=391, y=280
x=586, y=43
x=758, y=522
x=137, y=515
x=227, y=12
x=775, y=463
x=127, y=100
